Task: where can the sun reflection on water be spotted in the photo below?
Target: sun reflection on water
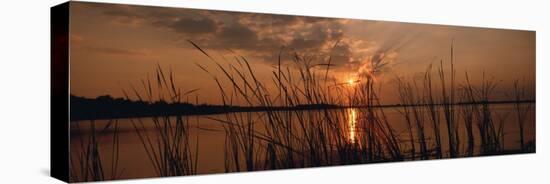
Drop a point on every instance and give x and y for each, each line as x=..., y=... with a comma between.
x=352, y=121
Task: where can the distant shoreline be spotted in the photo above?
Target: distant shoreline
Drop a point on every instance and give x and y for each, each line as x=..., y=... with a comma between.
x=106, y=107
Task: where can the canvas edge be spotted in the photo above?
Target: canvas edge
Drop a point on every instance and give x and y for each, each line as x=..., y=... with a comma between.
x=59, y=92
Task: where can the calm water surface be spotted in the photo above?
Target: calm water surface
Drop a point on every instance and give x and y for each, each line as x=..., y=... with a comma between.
x=134, y=163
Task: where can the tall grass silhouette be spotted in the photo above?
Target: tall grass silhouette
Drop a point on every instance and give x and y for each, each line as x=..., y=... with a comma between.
x=317, y=138
x=89, y=164
x=169, y=149
x=348, y=126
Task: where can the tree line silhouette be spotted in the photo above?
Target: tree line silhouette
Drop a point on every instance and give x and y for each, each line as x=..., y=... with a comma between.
x=107, y=107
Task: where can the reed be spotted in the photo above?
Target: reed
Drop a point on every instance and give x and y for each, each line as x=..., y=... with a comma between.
x=274, y=139
x=488, y=131
x=433, y=111
x=410, y=94
x=448, y=100
x=521, y=112
x=298, y=138
x=90, y=163
x=169, y=149
x=419, y=107
x=491, y=132
x=468, y=114
x=320, y=136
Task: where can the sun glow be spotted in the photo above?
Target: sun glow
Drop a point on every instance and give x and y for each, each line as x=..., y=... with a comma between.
x=351, y=82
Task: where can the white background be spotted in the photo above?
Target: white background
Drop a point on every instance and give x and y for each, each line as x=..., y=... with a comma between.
x=25, y=85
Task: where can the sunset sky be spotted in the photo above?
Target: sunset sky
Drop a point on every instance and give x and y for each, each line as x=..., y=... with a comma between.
x=113, y=46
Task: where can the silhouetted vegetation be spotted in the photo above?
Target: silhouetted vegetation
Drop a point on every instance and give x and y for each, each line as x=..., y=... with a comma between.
x=88, y=164
x=107, y=107
x=305, y=125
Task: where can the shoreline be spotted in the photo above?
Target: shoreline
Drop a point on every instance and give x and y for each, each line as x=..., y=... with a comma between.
x=149, y=110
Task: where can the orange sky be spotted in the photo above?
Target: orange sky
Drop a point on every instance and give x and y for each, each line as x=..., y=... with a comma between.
x=113, y=46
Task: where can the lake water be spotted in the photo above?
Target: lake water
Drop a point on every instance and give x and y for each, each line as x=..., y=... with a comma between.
x=133, y=160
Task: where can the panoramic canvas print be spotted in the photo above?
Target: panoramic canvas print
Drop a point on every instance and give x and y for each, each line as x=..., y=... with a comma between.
x=159, y=91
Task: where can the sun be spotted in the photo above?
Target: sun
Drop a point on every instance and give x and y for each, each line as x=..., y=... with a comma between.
x=351, y=82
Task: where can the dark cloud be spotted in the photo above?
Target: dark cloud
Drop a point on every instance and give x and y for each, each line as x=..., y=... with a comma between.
x=272, y=20
x=193, y=26
x=313, y=38
x=342, y=54
x=302, y=43
x=237, y=34
x=258, y=35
